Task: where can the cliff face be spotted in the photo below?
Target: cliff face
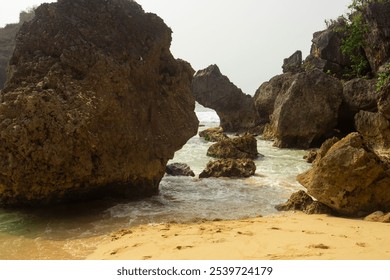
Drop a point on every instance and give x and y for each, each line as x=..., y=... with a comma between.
x=95, y=104
x=7, y=43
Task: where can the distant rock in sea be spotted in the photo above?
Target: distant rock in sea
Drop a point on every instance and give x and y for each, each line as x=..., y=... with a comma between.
x=94, y=106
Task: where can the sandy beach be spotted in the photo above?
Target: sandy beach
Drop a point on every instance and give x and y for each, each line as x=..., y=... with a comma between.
x=281, y=237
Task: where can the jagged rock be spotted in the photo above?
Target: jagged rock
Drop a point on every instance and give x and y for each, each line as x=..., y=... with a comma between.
x=358, y=94
x=325, y=148
x=267, y=93
x=95, y=104
x=239, y=147
x=235, y=109
x=377, y=47
x=293, y=64
x=307, y=112
x=326, y=54
x=229, y=168
x=213, y=134
x=7, y=43
x=374, y=128
x=301, y=201
x=384, y=101
x=350, y=178
x=179, y=169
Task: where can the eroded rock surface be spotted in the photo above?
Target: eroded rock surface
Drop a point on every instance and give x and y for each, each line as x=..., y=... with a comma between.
x=238, y=147
x=235, y=109
x=237, y=168
x=306, y=112
x=350, y=178
x=95, y=104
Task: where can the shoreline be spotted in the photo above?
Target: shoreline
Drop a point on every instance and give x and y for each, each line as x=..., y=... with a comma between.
x=285, y=236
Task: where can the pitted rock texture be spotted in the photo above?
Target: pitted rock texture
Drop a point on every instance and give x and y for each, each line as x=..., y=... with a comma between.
x=95, y=104
x=237, y=168
x=307, y=112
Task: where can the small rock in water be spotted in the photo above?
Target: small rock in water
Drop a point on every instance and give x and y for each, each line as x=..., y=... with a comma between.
x=229, y=168
x=239, y=147
x=179, y=169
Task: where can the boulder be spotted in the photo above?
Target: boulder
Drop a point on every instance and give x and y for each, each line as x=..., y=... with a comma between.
x=378, y=216
x=235, y=109
x=7, y=43
x=301, y=201
x=384, y=101
x=237, y=168
x=358, y=94
x=239, y=147
x=179, y=169
x=293, y=64
x=350, y=179
x=374, y=128
x=377, y=47
x=213, y=134
x=326, y=54
x=95, y=104
x=307, y=112
x=267, y=93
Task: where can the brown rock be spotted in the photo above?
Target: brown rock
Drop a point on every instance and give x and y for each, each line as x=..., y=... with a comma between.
x=301, y=201
x=267, y=93
x=235, y=109
x=374, y=128
x=307, y=112
x=179, y=169
x=293, y=64
x=239, y=147
x=384, y=101
x=358, y=94
x=95, y=104
x=229, y=168
x=213, y=134
x=350, y=178
x=377, y=47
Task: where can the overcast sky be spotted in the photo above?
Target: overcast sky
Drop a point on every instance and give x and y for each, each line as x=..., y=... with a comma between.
x=247, y=39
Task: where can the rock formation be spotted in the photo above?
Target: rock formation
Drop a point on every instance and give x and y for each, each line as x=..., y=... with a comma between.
x=307, y=112
x=374, y=128
x=358, y=94
x=95, y=104
x=267, y=93
x=213, y=134
x=301, y=201
x=179, y=169
x=7, y=43
x=235, y=109
x=326, y=54
x=377, y=47
x=229, y=168
x=293, y=64
x=350, y=178
x=238, y=148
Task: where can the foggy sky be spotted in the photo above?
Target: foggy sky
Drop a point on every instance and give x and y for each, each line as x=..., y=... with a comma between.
x=247, y=39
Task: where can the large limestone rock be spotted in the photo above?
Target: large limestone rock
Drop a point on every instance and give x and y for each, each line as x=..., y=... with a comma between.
x=350, y=179
x=7, y=43
x=95, y=104
x=326, y=54
x=384, y=101
x=358, y=94
x=235, y=109
x=374, y=128
x=377, y=47
x=267, y=93
x=307, y=112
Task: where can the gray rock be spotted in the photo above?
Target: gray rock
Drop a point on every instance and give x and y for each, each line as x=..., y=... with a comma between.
x=179, y=169
x=293, y=64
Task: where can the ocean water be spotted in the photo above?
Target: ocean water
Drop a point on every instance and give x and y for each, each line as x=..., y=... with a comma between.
x=69, y=232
